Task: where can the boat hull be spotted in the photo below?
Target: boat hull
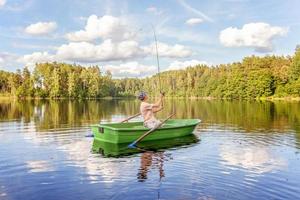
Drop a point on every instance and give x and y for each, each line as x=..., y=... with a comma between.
x=118, y=150
x=128, y=132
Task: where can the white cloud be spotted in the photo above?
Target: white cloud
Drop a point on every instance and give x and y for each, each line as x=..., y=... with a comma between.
x=256, y=35
x=2, y=59
x=117, y=44
x=154, y=10
x=231, y=16
x=109, y=51
x=17, y=6
x=106, y=27
x=131, y=69
x=106, y=51
x=37, y=57
x=127, y=69
x=165, y=50
x=7, y=59
x=41, y=28
x=32, y=46
x=177, y=65
x=194, y=21
x=194, y=10
x=135, y=69
x=1, y=62
x=2, y=3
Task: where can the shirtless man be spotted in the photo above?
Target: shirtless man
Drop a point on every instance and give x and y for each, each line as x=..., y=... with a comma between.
x=147, y=110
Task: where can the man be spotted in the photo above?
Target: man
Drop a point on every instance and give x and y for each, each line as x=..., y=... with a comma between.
x=147, y=110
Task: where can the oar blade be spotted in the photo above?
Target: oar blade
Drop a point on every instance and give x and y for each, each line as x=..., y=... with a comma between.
x=132, y=145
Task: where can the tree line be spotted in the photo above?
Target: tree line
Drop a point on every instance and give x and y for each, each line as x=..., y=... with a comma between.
x=253, y=77
x=57, y=80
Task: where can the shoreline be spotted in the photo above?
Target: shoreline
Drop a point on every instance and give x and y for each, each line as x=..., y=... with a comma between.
x=132, y=98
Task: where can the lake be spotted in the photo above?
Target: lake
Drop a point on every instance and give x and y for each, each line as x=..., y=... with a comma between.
x=241, y=150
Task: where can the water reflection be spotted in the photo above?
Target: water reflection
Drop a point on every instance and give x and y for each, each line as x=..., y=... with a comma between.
x=35, y=166
x=78, y=155
x=121, y=150
x=249, y=116
x=151, y=161
x=255, y=159
x=152, y=156
x=2, y=192
x=248, y=150
x=54, y=114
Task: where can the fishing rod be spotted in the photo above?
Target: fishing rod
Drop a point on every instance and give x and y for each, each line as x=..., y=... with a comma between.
x=158, y=67
x=157, y=59
x=158, y=72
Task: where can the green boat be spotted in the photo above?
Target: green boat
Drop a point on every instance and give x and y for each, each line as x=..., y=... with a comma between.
x=128, y=132
x=118, y=150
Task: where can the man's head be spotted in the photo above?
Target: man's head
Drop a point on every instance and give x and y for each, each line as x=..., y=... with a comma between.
x=142, y=96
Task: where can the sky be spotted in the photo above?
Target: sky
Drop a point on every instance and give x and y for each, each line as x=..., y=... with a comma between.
x=118, y=35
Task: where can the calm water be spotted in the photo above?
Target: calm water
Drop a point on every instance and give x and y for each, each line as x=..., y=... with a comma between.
x=242, y=150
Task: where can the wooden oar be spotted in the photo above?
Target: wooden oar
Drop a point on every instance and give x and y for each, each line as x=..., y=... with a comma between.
x=131, y=117
x=133, y=145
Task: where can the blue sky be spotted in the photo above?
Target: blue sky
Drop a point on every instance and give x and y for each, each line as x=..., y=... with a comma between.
x=117, y=35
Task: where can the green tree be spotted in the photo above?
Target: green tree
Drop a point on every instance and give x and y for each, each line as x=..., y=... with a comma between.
x=295, y=67
x=72, y=85
x=55, y=85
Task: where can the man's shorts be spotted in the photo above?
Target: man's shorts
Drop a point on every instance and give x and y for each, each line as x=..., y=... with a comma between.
x=152, y=123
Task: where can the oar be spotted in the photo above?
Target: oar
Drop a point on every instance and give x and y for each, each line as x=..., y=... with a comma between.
x=133, y=145
x=131, y=117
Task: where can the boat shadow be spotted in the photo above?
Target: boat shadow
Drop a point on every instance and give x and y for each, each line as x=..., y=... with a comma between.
x=107, y=149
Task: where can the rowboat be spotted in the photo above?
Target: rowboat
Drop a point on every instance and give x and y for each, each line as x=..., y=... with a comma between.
x=108, y=149
x=128, y=132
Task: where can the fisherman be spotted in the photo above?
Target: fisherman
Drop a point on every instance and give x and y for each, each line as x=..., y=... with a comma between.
x=147, y=110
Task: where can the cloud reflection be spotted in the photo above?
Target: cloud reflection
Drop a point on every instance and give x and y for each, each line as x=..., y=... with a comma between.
x=35, y=166
x=105, y=170
x=256, y=159
x=2, y=192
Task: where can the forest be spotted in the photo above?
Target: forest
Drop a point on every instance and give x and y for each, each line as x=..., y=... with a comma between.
x=253, y=77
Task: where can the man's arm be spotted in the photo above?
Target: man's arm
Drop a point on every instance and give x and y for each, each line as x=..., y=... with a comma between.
x=158, y=104
x=155, y=110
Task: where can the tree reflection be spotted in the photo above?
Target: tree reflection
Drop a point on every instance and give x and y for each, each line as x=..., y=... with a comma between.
x=250, y=116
